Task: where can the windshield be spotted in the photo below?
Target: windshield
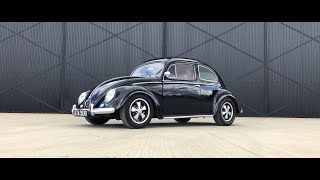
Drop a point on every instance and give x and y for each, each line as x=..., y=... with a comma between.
x=149, y=70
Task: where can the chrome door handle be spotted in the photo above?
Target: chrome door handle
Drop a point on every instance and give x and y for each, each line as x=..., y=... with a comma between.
x=197, y=85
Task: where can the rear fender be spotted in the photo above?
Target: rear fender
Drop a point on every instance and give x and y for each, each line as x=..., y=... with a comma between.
x=223, y=93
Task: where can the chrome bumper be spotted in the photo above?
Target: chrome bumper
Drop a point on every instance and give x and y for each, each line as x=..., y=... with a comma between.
x=94, y=111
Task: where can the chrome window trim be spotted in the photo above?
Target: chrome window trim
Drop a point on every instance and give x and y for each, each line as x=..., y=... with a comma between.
x=210, y=71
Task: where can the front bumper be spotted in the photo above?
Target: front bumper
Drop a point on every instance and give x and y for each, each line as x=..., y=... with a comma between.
x=94, y=111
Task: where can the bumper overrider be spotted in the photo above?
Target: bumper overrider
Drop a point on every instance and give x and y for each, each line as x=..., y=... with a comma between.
x=92, y=111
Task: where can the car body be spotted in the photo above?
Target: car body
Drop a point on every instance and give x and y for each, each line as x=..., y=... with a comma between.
x=178, y=88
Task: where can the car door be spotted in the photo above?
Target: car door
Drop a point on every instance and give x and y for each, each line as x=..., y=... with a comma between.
x=209, y=86
x=181, y=91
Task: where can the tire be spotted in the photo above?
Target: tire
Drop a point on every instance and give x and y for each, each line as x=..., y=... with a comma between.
x=225, y=117
x=182, y=120
x=96, y=120
x=136, y=117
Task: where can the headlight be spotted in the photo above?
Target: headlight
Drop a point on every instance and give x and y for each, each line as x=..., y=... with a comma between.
x=82, y=97
x=110, y=95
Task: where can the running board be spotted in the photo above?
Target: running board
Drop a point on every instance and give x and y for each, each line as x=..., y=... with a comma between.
x=189, y=116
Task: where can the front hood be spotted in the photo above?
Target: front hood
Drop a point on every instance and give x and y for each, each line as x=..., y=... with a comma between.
x=99, y=92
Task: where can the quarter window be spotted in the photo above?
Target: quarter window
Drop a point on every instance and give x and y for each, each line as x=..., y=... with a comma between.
x=207, y=75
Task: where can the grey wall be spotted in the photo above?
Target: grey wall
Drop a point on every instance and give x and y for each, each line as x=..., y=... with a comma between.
x=272, y=68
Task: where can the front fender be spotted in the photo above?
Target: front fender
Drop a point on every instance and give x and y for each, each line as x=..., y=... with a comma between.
x=222, y=93
x=125, y=92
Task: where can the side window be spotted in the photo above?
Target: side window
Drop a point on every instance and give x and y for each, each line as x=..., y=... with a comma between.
x=185, y=71
x=172, y=70
x=182, y=71
x=207, y=75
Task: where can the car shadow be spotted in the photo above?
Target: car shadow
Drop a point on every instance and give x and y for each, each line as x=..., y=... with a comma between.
x=156, y=125
x=174, y=124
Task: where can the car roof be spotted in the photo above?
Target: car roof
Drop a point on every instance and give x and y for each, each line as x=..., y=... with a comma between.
x=183, y=59
x=174, y=59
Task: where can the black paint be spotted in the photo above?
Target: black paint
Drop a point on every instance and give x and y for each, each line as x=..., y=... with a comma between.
x=170, y=97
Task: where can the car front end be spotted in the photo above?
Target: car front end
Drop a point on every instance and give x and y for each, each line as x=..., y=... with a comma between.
x=89, y=105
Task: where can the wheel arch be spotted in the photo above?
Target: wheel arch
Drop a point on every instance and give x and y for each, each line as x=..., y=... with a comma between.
x=220, y=96
x=142, y=91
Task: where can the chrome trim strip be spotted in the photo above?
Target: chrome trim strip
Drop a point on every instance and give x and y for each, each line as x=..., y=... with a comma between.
x=94, y=111
x=188, y=116
x=147, y=83
x=193, y=83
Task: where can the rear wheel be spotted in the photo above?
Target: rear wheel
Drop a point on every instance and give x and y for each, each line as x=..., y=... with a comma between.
x=96, y=120
x=182, y=120
x=226, y=112
x=137, y=112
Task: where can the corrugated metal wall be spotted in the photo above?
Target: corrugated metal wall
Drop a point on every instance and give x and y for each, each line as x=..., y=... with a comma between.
x=272, y=68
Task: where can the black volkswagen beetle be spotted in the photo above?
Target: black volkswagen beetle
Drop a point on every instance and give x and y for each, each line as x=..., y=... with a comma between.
x=177, y=88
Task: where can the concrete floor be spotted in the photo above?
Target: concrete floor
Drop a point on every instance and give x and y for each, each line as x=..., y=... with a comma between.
x=57, y=135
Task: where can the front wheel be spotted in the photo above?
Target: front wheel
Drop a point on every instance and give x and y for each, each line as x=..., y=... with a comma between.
x=96, y=120
x=137, y=112
x=226, y=112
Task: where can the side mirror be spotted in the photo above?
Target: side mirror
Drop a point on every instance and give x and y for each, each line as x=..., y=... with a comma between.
x=166, y=74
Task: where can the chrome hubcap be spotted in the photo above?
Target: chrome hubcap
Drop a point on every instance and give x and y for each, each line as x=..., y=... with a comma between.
x=139, y=111
x=227, y=111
